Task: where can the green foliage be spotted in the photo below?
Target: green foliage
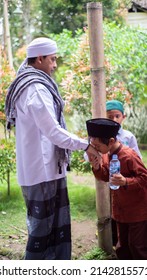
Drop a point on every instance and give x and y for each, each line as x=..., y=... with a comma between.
x=6, y=76
x=7, y=158
x=125, y=68
x=95, y=254
x=7, y=146
x=136, y=122
x=76, y=84
x=125, y=49
x=57, y=15
x=78, y=162
x=22, y=23
x=144, y=157
x=67, y=43
x=42, y=18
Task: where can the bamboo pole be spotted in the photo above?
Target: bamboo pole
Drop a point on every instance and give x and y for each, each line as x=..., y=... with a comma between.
x=95, y=29
x=7, y=33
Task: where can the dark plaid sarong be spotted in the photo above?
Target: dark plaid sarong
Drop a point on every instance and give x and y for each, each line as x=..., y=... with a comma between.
x=48, y=221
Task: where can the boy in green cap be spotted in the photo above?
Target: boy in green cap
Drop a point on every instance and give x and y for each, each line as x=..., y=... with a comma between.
x=115, y=112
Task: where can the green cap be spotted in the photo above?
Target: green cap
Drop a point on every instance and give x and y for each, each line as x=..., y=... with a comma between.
x=114, y=105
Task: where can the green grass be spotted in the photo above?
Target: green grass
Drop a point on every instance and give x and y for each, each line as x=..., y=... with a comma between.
x=13, y=210
x=82, y=200
x=95, y=254
x=144, y=157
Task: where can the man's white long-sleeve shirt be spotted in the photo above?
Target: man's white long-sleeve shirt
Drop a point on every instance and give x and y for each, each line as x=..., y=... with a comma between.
x=37, y=133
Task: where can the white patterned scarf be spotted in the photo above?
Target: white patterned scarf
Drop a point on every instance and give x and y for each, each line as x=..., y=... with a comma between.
x=26, y=77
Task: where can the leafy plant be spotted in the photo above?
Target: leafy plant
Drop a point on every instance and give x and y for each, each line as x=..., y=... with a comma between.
x=7, y=160
x=125, y=69
x=136, y=122
x=6, y=76
x=57, y=15
x=95, y=254
x=78, y=162
x=7, y=150
x=125, y=49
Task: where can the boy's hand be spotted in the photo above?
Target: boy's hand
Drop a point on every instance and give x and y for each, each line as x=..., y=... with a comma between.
x=95, y=161
x=118, y=180
x=92, y=151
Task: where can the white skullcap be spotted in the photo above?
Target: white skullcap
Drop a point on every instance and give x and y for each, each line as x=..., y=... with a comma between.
x=40, y=47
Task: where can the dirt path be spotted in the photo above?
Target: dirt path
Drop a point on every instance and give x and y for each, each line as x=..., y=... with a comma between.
x=83, y=240
x=83, y=237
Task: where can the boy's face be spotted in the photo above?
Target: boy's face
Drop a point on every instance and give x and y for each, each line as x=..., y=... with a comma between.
x=101, y=147
x=116, y=116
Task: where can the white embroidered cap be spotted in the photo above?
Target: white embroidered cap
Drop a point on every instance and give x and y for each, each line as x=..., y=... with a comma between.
x=40, y=47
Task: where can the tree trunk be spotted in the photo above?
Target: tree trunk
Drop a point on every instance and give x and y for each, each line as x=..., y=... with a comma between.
x=98, y=91
x=7, y=34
